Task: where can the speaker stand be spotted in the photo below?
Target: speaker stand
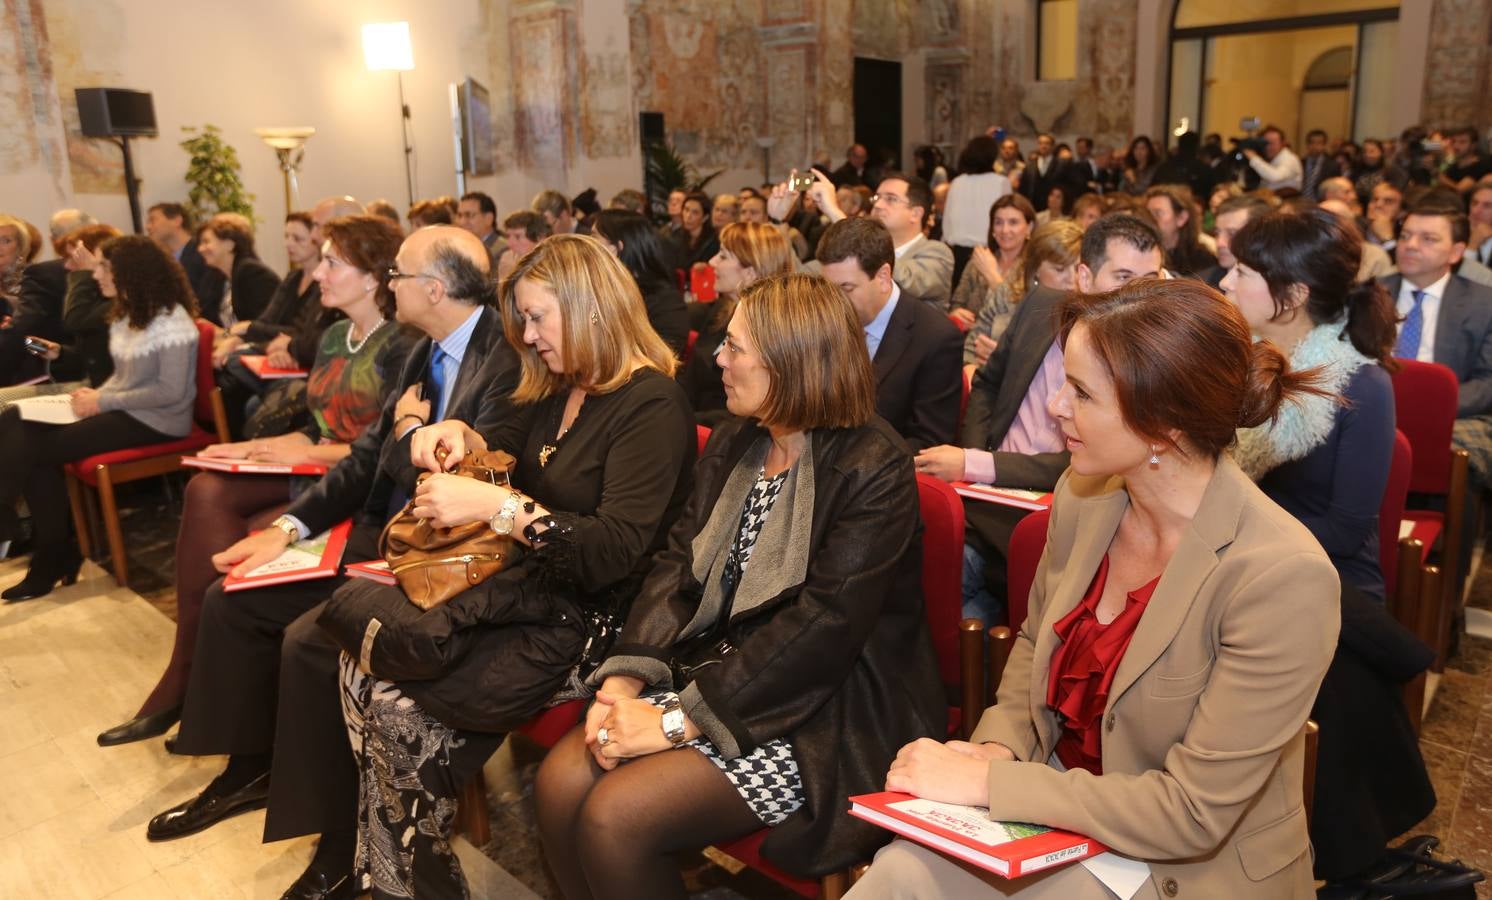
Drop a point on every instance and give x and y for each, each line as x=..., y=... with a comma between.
x=131, y=184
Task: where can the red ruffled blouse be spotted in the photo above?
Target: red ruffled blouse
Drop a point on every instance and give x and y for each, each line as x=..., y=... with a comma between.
x=1083, y=668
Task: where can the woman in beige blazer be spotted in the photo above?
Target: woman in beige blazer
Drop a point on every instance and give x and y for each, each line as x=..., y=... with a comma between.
x=1201, y=731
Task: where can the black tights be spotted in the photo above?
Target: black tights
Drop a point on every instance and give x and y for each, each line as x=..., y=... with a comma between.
x=610, y=834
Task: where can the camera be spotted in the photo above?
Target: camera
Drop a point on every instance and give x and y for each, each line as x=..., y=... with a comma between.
x=1256, y=144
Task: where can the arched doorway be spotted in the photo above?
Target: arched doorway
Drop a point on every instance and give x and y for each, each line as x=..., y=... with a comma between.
x=1232, y=60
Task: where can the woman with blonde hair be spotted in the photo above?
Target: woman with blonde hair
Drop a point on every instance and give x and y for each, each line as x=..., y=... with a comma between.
x=15, y=252
x=762, y=645
x=604, y=446
x=1050, y=260
x=748, y=251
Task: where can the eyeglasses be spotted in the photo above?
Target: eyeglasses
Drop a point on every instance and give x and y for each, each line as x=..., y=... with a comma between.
x=394, y=275
x=891, y=199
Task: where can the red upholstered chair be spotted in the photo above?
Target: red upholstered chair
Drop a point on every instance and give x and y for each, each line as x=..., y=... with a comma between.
x=1425, y=398
x=703, y=434
x=959, y=323
x=963, y=403
x=689, y=345
x=105, y=470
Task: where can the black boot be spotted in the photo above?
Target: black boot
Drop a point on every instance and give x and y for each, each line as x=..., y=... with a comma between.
x=44, y=575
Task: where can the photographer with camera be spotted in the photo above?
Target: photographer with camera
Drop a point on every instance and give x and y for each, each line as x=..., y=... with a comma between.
x=1277, y=165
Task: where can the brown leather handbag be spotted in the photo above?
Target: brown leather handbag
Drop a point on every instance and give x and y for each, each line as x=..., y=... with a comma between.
x=434, y=564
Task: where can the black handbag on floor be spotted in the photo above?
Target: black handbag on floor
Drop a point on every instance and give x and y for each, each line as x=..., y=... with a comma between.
x=1409, y=870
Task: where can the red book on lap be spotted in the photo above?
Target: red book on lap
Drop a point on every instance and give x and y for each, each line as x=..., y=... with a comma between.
x=252, y=467
x=315, y=557
x=1011, y=849
x=1033, y=500
x=261, y=368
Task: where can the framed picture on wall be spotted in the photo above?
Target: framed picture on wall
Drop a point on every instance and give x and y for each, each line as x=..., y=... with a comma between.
x=475, y=122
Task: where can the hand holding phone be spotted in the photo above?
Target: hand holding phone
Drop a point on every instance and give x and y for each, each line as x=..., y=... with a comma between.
x=41, y=347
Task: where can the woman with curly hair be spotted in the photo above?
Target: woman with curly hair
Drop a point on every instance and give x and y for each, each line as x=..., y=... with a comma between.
x=148, y=400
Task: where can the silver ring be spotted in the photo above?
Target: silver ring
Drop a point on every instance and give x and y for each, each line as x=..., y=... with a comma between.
x=603, y=737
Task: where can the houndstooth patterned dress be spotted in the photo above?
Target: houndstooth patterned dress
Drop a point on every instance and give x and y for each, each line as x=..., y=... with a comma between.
x=767, y=777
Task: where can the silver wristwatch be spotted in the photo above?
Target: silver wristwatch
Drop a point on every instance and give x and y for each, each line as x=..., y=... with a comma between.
x=502, y=520
x=673, y=719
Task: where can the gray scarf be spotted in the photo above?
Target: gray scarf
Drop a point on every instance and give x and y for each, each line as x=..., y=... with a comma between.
x=781, y=549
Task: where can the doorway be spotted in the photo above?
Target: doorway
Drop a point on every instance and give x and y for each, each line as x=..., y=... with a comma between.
x=878, y=111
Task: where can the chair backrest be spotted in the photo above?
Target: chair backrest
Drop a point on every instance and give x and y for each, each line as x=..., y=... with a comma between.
x=1425, y=397
x=963, y=403
x=703, y=435
x=1027, y=543
x=206, y=381
x=1391, y=510
x=942, y=571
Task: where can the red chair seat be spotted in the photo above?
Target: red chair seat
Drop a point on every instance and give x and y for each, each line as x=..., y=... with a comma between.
x=85, y=470
x=748, y=850
x=549, y=726
x=1428, y=524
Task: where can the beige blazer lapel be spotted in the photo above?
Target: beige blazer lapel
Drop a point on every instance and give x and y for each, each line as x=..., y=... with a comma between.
x=1097, y=520
x=1212, y=529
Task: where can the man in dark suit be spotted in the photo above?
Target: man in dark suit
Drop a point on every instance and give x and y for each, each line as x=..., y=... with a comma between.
x=170, y=225
x=914, y=349
x=1044, y=171
x=1009, y=439
x=1446, y=318
x=289, y=748
x=853, y=172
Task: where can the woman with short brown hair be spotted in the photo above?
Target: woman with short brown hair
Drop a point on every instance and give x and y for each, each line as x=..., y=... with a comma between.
x=781, y=666
x=226, y=243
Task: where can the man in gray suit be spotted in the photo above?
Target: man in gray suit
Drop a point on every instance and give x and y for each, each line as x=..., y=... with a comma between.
x=1009, y=439
x=1447, y=318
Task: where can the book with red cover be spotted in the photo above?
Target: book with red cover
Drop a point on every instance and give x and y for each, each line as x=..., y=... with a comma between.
x=1011, y=849
x=373, y=570
x=1033, y=500
x=252, y=467
x=315, y=557
x=262, y=370
x=702, y=284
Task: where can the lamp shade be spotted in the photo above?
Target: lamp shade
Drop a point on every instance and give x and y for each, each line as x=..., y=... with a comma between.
x=386, y=47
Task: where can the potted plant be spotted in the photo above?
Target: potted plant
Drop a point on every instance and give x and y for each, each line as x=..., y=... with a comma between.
x=668, y=171
x=214, y=175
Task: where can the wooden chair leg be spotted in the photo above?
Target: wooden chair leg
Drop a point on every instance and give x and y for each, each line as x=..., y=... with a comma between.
x=834, y=885
x=1414, y=701
x=82, y=525
x=472, y=817
x=971, y=674
x=111, y=525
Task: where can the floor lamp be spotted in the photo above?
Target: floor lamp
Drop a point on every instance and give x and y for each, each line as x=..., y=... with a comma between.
x=289, y=145
x=386, y=48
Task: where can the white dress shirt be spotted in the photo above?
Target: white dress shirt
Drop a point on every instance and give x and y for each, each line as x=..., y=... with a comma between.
x=1283, y=171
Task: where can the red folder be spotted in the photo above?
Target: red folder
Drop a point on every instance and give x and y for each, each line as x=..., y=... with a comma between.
x=316, y=557
x=373, y=570
x=251, y=467
x=1035, y=500
x=262, y=370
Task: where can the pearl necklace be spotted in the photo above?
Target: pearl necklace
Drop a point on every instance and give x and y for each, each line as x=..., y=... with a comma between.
x=350, y=328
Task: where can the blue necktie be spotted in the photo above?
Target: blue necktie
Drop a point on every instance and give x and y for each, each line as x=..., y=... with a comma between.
x=435, y=383
x=1409, y=332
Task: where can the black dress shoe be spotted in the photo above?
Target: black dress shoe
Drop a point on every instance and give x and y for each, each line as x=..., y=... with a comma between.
x=171, y=745
x=314, y=884
x=141, y=727
x=207, y=809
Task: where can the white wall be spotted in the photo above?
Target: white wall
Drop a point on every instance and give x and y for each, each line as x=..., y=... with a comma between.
x=279, y=62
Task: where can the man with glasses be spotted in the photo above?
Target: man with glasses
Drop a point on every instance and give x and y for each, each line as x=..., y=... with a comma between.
x=924, y=267
x=263, y=688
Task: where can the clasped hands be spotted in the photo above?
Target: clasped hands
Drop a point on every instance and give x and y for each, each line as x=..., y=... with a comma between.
x=84, y=402
x=634, y=727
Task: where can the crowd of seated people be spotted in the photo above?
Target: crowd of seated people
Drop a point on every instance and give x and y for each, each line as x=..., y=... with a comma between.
x=1201, y=388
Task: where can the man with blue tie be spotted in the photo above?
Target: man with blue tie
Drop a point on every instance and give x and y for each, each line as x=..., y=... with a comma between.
x=1446, y=318
x=287, y=744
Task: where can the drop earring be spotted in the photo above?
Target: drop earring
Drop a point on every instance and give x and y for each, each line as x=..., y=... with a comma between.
x=1154, y=457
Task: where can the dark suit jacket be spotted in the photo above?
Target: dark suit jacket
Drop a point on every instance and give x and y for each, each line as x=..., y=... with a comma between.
x=1036, y=186
x=1463, y=339
x=207, y=282
x=362, y=484
x=38, y=311
x=919, y=380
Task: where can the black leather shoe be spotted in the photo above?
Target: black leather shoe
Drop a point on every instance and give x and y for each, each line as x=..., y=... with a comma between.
x=141, y=727
x=207, y=809
x=39, y=582
x=314, y=884
x=171, y=744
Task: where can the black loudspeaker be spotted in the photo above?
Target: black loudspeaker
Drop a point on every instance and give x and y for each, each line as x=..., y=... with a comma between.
x=650, y=126
x=115, y=112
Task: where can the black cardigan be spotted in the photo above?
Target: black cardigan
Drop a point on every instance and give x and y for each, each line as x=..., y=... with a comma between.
x=297, y=314
x=842, y=664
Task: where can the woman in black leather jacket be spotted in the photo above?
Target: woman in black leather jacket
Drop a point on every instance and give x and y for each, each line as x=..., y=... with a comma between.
x=795, y=677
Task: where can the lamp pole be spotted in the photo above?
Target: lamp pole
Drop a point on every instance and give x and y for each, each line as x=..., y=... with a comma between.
x=405, y=120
